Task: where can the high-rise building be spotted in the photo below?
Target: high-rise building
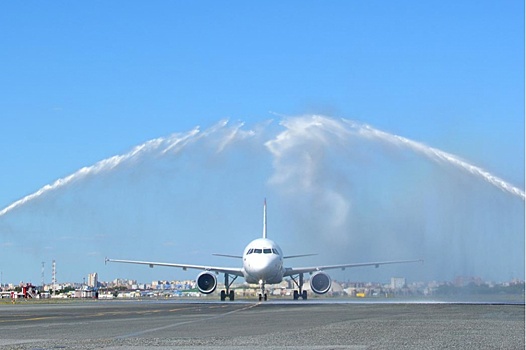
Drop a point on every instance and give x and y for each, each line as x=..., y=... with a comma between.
x=93, y=280
x=397, y=282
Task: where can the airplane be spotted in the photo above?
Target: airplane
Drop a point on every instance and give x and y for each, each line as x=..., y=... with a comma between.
x=262, y=265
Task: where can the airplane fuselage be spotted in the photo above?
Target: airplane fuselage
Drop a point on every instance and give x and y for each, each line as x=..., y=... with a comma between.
x=263, y=262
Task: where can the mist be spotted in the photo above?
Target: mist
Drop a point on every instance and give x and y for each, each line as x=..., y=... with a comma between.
x=342, y=189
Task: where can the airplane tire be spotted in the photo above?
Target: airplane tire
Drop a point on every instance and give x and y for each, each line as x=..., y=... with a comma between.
x=260, y=297
x=231, y=295
x=265, y=296
x=223, y=295
x=304, y=295
x=296, y=295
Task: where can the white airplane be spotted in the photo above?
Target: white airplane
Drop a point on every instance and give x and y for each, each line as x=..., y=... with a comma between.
x=262, y=264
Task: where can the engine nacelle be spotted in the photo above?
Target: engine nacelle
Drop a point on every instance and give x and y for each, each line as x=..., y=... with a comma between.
x=320, y=283
x=206, y=282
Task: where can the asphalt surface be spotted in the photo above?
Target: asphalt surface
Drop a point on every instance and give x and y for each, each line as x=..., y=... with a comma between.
x=271, y=325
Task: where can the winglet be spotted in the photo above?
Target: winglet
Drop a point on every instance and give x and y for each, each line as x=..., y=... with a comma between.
x=265, y=218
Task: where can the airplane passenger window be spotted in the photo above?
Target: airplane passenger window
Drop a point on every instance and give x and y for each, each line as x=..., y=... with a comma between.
x=267, y=251
x=258, y=251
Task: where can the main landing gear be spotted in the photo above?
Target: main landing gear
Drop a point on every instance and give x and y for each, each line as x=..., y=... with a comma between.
x=227, y=292
x=300, y=293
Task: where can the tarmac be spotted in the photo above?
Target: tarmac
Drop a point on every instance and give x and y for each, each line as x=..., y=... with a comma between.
x=328, y=324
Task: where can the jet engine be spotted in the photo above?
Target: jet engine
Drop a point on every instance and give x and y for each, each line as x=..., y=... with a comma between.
x=320, y=283
x=206, y=282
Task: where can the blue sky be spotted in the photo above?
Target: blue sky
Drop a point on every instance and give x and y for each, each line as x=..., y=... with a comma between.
x=86, y=81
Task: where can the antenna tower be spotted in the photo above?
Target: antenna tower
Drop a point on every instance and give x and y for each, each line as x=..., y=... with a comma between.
x=54, y=277
x=43, y=281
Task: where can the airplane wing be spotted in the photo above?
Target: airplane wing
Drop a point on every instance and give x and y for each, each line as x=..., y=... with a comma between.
x=230, y=270
x=228, y=256
x=297, y=256
x=291, y=271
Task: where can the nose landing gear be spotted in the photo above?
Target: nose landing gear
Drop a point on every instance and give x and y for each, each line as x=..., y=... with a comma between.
x=262, y=293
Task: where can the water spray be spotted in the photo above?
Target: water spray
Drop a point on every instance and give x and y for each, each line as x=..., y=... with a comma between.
x=320, y=128
x=437, y=155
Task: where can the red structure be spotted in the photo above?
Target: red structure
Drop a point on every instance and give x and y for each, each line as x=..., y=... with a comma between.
x=29, y=291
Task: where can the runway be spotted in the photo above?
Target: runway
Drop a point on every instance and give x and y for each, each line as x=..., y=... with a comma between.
x=249, y=325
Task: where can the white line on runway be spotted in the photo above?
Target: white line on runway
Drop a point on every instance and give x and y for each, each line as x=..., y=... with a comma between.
x=136, y=334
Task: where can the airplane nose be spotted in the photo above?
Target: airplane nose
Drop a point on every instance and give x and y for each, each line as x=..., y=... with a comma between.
x=263, y=266
x=269, y=266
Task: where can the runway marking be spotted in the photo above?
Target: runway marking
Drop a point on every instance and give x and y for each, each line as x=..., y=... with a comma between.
x=29, y=319
x=96, y=315
x=136, y=334
x=39, y=318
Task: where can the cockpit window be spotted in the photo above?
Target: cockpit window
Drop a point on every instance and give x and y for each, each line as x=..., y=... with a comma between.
x=263, y=251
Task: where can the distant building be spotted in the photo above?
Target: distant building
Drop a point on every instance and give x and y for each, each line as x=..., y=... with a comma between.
x=397, y=282
x=93, y=280
x=463, y=281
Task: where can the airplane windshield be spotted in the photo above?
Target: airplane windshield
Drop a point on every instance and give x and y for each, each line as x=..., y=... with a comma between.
x=263, y=251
